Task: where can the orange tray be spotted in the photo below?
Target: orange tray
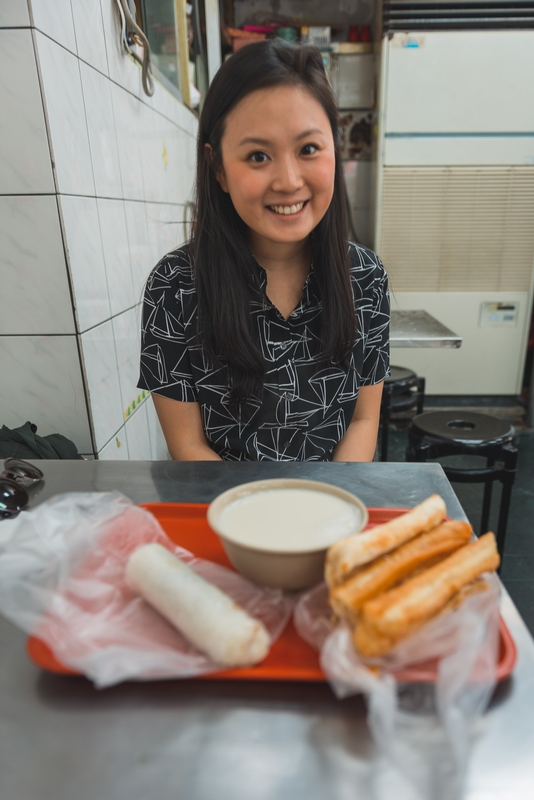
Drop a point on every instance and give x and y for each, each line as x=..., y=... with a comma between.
x=291, y=658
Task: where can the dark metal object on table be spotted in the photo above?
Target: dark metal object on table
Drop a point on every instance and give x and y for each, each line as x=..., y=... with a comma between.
x=14, y=480
x=419, y=329
x=439, y=434
x=403, y=390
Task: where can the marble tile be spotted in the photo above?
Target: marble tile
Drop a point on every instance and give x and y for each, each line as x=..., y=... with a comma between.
x=66, y=117
x=158, y=445
x=86, y=260
x=89, y=30
x=25, y=164
x=126, y=331
x=54, y=17
x=14, y=14
x=169, y=106
x=130, y=134
x=154, y=157
x=45, y=387
x=138, y=435
x=141, y=258
x=116, y=254
x=155, y=232
x=100, y=363
x=121, y=67
x=35, y=296
x=182, y=156
x=101, y=129
x=116, y=449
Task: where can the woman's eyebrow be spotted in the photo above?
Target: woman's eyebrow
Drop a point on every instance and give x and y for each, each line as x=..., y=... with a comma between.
x=265, y=142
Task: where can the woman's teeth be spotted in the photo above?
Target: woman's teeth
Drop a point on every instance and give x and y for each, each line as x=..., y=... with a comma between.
x=287, y=209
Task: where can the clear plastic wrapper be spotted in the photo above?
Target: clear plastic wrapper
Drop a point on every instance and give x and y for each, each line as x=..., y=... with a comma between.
x=62, y=579
x=425, y=730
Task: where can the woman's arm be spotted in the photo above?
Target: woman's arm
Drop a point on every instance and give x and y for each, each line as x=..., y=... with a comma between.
x=182, y=427
x=359, y=441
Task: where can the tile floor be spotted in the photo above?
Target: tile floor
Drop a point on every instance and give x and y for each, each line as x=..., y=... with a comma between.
x=517, y=571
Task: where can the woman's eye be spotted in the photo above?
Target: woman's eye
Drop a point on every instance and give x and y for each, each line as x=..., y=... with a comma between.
x=309, y=149
x=258, y=157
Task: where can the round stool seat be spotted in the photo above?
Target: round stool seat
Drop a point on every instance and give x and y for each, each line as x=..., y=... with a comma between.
x=463, y=427
x=400, y=375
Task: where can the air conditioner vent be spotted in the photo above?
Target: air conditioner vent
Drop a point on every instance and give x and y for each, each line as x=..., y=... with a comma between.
x=399, y=15
x=459, y=229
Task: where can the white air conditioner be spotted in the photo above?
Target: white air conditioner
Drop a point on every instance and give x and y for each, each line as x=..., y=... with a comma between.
x=455, y=198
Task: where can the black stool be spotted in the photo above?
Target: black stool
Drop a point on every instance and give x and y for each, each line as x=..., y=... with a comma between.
x=403, y=390
x=445, y=433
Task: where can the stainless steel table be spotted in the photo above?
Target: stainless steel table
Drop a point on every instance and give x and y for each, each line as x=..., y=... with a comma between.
x=420, y=329
x=204, y=740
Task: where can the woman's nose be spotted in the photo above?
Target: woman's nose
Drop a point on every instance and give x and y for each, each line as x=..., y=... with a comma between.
x=288, y=176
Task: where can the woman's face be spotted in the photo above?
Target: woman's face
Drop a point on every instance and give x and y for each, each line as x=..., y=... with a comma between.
x=278, y=164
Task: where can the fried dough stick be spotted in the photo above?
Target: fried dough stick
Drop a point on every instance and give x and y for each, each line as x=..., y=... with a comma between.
x=392, y=616
x=385, y=572
x=348, y=554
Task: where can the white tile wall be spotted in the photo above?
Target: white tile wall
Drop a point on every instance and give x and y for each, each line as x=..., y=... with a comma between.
x=25, y=164
x=128, y=113
x=86, y=259
x=14, y=14
x=45, y=387
x=116, y=449
x=102, y=136
x=180, y=174
x=54, y=17
x=138, y=436
x=141, y=255
x=89, y=30
x=35, y=296
x=66, y=117
x=100, y=362
x=116, y=255
x=126, y=331
x=124, y=167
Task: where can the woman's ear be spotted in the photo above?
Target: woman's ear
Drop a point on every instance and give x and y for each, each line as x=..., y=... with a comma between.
x=221, y=178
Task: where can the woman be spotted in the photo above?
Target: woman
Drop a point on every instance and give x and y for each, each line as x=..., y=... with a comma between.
x=266, y=337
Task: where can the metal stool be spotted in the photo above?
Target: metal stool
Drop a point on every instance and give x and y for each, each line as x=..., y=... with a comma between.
x=445, y=433
x=403, y=390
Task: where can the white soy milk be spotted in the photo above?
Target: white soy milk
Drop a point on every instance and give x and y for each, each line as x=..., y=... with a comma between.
x=289, y=520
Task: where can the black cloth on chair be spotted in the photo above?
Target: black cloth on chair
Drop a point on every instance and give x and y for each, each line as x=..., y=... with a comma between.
x=24, y=442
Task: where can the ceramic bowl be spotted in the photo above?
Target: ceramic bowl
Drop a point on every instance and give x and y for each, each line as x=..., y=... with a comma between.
x=282, y=539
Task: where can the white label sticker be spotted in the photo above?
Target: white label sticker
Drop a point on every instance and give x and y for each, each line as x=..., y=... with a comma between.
x=408, y=40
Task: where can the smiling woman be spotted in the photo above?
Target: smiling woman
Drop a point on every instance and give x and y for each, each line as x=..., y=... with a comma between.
x=266, y=337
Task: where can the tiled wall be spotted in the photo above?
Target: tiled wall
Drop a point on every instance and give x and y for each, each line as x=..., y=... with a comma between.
x=94, y=181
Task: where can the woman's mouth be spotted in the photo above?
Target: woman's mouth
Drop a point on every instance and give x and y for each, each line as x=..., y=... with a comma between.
x=287, y=211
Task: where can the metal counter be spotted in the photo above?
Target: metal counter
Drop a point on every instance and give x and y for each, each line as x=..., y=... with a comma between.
x=420, y=329
x=213, y=740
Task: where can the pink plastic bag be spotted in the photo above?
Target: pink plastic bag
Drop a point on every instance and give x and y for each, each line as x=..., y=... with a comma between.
x=424, y=730
x=62, y=579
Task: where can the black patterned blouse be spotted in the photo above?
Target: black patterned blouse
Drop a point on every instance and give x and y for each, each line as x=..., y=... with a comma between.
x=306, y=406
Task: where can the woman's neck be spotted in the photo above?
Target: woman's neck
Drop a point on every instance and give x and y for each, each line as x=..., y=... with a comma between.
x=286, y=258
x=287, y=267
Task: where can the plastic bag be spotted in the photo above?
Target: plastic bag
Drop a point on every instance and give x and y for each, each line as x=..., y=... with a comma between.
x=62, y=579
x=425, y=730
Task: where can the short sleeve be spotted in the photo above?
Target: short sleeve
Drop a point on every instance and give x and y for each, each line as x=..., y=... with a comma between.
x=168, y=307
x=373, y=302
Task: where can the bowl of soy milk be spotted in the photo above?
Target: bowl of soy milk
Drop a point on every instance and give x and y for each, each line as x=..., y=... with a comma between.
x=276, y=532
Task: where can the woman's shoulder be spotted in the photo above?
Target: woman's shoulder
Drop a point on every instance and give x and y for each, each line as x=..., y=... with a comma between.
x=365, y=264
x=175, y=269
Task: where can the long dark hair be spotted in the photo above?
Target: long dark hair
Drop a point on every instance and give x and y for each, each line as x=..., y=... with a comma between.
x=224, y=273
